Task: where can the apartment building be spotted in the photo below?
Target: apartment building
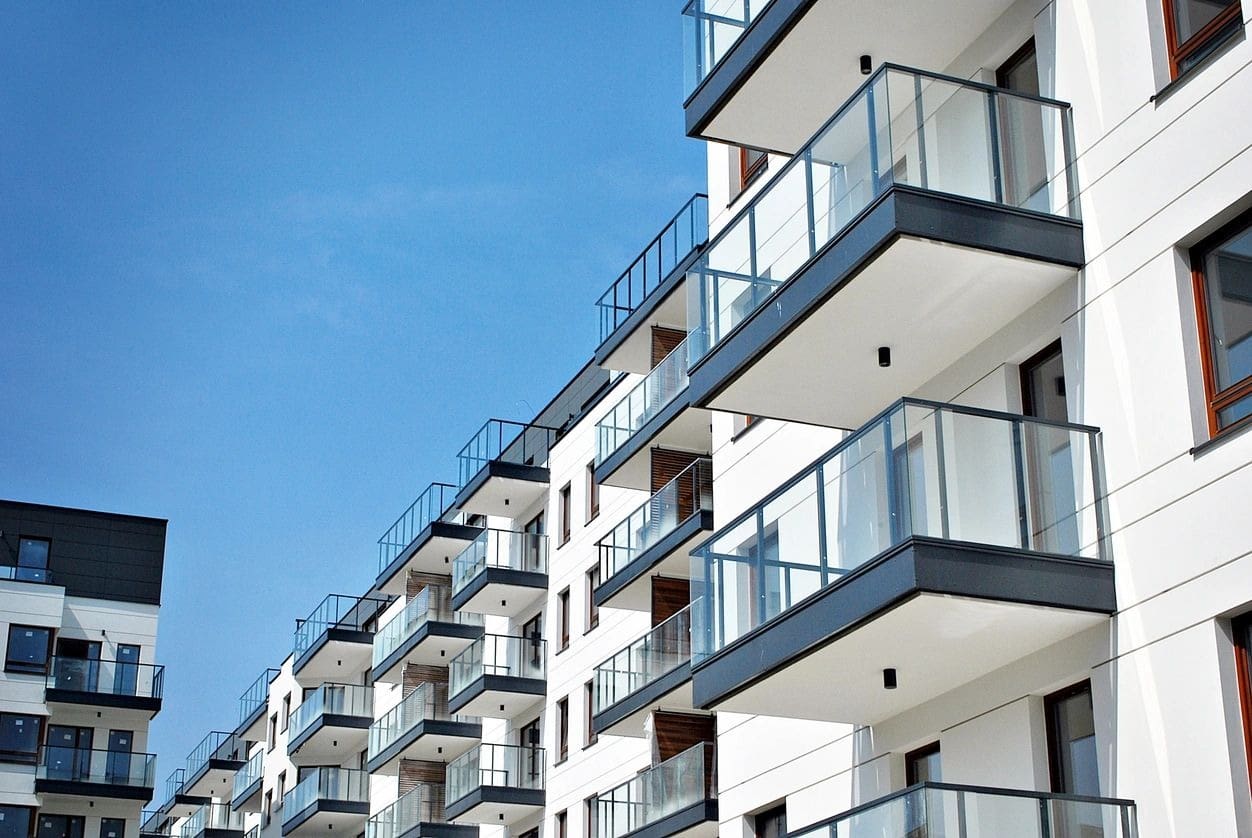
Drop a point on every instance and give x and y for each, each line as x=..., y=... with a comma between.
x=80, y=593
x=905, y=493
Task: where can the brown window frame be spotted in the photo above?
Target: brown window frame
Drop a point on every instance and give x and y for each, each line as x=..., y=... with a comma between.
x=565, y=511
x=1215, y=400
x=749, y=172
x=561, y=820
x=593, y=494
x=590, y=737
x=593, y=611
x=1241, y=628
x=563, y=615
x=1204, y=38
x=562, y=730
x=590, y=804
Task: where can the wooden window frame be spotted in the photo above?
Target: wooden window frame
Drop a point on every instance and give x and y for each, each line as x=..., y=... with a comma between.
x=561, y=821
x=1215, y=400
x=593, y=611
x=593, y=494
x=1241, y=627
x=590, y=737
x=565, y=509
x=562, y=730
x=563, y=618
x=590, y=804
x=1198, y=42
x=748, y=173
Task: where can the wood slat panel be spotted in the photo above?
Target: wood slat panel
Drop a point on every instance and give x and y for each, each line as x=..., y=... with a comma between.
x=665, y=341
x=669, y=596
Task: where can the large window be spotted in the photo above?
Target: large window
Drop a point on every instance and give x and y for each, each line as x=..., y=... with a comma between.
x=1194, y=27
x=752, y=164
x=1222, y=271
x=32, y=559
x=29, y=649
x=16, y=821
x=19, y=737
x=923, y=765
x=1071, y=741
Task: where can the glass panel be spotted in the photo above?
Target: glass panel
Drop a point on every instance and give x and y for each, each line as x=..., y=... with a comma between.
x=497, y=654
x=500, y=549
x=504, y=766
x=1190, y=16
x=643, y=403
x=690, y=492
x=217, y=745
x=211, y=816
x=338, y=784
x=87, y=765
x=502, y=441
x=252, y=772
x=710, y=29
x=331, y=699
x=429, y=506
x=1228, y=278
x=431, y=603
x=256, y=696
x=428, y=701
x=337, y=611
x=423, y=804
x=660, y=791
x=106, y=677
x=660, y=651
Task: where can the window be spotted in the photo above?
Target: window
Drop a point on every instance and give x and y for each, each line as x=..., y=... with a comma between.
x=20, y=736
x=562, y=614
x=741, y=423
x=1043, y=385
x=562, y=825
x=566, y=524
x=1222, y=275
x=16, y=821
x=62, y=826
x=772, y=823
x=589, y=815
x=283, y=719
x=593, y=492
x=923, y=766
x=751, y=164
x=1243, y=668
x=32, y=559
x=589, y=707
x=1194, y=28
x=1071, y=741
x=273, y=730
x=112, y=828
x=281, y=789
x=593, y=610
x=562, y=730
x=29, y=649
x=268, y=811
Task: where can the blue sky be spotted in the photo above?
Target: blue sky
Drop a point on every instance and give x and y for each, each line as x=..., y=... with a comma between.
x=266, y=267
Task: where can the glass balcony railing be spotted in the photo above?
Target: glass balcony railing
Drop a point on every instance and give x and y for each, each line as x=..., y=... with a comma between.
x=685, y=232
x=903, y=127
x=501, y=766
x=106, y=677
x=218, y=816
x=498, y=654
x=87, y=765
x=23, y=573
x=710, y=29
x=423, y=804
x=256, y=696
x=504, y=441
x=428, y=701
x=689, y=493
x=937, y=810
x=336, y=611
x=174, y=783
x=431, y=505
x=501, y=549
x=662, y=790
x=662, y=650
x=252, y=771
x=434, y=602
x=918, y=469
x=217, y=745
x=342, y=785
x=645, y=400
x=330, y=700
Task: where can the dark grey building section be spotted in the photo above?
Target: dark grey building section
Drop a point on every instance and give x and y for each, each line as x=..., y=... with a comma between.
x=91, y=554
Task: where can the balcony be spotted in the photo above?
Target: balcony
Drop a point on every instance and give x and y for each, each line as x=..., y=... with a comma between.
x=428, y=631
x=94, y=773
x=330, y=724
x=498, y=676
x=252, y=706
x=417, y=814
x=649, y=292
x=763, y=74
x=496, y=784
x=987, y=524
x=154, y=824
x=678, y=797
x=935, y=810
x=245, y=793
x=420, y=727
x=122, y=685
x=337, y=639
x=653, y=672
x=503, y=469
x=501, y=573
x=421, y=540
x=211, y=766
x=927, y=215
x=329, y=801
x=180, y=804
x=213, y=820
x=656, y=539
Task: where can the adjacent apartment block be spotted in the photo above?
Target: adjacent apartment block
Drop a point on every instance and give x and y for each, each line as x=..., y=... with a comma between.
x=905, y=495
x=79, y=596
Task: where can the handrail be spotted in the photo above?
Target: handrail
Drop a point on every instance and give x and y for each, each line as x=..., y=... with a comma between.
x=688, y=493
x=431, y=505
x=644, y=402
x=663, y=649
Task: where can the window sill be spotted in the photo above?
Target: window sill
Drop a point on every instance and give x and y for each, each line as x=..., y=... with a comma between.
x=742, y=432
x=591, y=744
x=1236, y=430
x=591, y=628
x=1219, y=47
x=591, y=517
x=20, y=759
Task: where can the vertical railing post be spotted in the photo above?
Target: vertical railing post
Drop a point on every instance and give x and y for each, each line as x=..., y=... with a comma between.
x=809, y=200
x=993, y=124
x=1019, y=475
x=1100, y=507
x=893, y=495
x=962, y=819
x=942, y=475
x=871, y=124
x=920, y=115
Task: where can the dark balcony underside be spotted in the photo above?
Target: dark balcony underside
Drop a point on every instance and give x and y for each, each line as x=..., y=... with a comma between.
x=143, y=703
x=79, y=788
x=505, y=581
x=698, y=819
x=333, y=812
x=483, y=695
x=392, y=579
x=334, y=636
x=438, y=735
x=328, y=724
x=630, y=587
x=248, y=799
x=439, y=830
x=994, y=606
x=486, y=803
x=627, y=717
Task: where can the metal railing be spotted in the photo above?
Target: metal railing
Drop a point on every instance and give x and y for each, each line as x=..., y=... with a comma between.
x=505, y=549
x=252, y=772
x=429, y=506
x=218, y=816
x=500, y=766
x=174, y=783
x=504, y=441
x=432, y=603
x=689, y=493
x=330, y=700
x=89, y=765
x=662, y=650
x=944, y=810
x=660, y=791
x=344, y=785
x=710, y=29
x=422, y=804
x=217, y=744
x=428, y=701
x=644, y=402
x=21, y=573
x=919, y=469
x=256, y=695
x=902, y=127
x=497, y=654
x=106, y=677
x=337, y=611
x=684, y=233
